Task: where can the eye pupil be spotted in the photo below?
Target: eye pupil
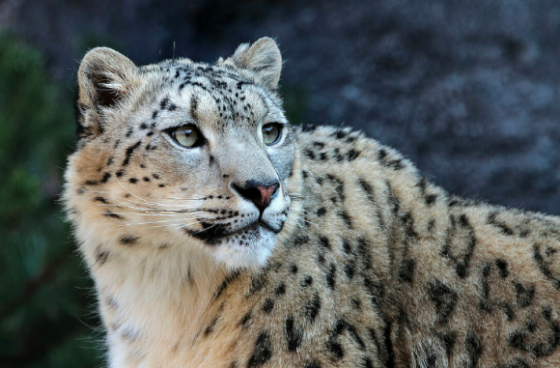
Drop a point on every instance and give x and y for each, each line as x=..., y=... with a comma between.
x=187, y=136
x=271, y=133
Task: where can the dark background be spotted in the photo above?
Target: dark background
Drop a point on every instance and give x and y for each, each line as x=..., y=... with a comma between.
x=469, y=90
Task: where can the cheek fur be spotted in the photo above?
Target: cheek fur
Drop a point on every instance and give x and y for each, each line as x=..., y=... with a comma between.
x=282, y=160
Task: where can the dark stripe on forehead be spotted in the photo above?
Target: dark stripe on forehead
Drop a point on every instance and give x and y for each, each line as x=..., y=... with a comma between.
x=194, y=107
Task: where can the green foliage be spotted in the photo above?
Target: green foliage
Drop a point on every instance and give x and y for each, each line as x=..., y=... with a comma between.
x=44, y=290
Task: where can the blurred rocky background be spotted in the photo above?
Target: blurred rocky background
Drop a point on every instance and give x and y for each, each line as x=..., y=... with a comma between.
x=468, y=90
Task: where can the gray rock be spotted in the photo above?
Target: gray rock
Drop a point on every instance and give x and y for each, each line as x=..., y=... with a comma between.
x=469, y=90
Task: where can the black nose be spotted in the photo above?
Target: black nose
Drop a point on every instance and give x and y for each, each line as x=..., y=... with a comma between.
x=258, y=193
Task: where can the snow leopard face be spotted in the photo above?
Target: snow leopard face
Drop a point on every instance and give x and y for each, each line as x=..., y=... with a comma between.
x=194, y=153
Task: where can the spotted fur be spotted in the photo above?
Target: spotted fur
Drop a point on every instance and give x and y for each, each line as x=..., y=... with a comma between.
x=357, y=262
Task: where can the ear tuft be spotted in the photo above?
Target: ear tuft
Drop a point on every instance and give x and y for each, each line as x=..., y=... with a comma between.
x=262, y=58
x=104, y=78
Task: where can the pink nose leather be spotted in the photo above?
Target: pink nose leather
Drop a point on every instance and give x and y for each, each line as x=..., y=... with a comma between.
x=266, y=194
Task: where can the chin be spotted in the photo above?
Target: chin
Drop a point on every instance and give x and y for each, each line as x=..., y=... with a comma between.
x=252, y=254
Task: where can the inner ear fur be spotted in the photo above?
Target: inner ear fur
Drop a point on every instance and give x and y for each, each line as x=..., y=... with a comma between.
x=105, y=77
x=263, y=58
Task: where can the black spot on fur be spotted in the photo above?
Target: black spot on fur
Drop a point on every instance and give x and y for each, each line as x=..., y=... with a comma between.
x=502, y=268
x=310, y=154
x=524, y=295
x=431, y=199
x=324, y=241
x=257, y=283
x=306, y=281
x=294, y=335
x=406, y=271
x=444, y=299
x=280, y=289
x=312, y=308
x=223, y=286
x=448, y=339
x=335, y=348
x=395, y=164
x=353, y=154
x=368, y=189
x=389, y=351
x=354, y=335
x=129, y=239
x=321, y=211
x=474, y=349
x=460, y=229
x=244, y=323
x=262, y=352
x=364, y=255
x=331, y=276
x=539, y=259
x=129, y=152
x=113, y=215
x=101, y=256
x=349, y=270
x=503, y=227
x=100, y=199
x=346, y=218
x=408, y=224
x=518, y=339
x=393, y=199
x=367, y=363
x=508, y=310
x=133, y=180
x=268, y=305
x=210, y=328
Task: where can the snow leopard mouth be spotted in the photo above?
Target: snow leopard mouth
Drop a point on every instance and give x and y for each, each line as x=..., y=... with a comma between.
x=215, y=234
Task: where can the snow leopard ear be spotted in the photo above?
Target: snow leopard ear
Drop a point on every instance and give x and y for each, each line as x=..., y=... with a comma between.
x=105, y=77
x=263, y=58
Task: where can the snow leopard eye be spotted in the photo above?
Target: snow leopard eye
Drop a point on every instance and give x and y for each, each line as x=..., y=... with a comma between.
x=187, y=136
x=271, y=133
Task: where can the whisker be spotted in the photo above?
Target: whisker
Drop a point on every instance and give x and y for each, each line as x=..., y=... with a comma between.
x=155, y=222
x=184, y=199
x=209, y=227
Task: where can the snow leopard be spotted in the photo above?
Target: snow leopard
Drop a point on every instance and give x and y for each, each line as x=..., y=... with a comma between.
x=220, y=236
